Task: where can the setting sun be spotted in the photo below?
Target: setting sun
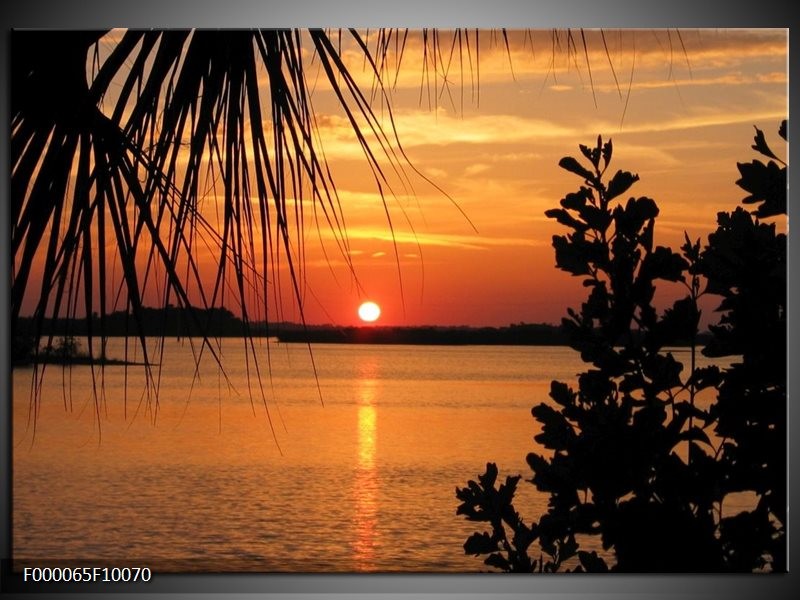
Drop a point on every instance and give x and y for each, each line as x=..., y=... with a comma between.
x=369, y=312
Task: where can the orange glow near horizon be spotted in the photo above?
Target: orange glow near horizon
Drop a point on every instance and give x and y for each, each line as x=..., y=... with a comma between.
x=460, y=237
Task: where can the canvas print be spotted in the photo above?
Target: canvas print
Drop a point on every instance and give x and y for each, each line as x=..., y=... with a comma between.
x=399, y=301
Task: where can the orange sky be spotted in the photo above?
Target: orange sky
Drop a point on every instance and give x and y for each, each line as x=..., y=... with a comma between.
x=688, y=119
x=680, y=110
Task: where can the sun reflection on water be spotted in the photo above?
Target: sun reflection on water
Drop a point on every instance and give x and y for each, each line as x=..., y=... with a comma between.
x=365, y=488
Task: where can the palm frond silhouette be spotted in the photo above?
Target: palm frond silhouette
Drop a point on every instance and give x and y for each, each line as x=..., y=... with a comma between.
x=122, y=144
x=110, y=165
x=185, y=97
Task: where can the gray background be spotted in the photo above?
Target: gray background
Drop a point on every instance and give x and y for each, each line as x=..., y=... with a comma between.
x=92, y=14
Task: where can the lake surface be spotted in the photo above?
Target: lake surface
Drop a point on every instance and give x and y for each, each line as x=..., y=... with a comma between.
x=351, y=470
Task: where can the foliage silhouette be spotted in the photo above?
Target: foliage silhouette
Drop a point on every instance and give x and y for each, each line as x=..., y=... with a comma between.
x=745, y=263
x=631, y=461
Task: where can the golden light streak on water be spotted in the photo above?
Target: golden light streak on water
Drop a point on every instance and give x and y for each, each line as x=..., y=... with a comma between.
x=365, y=487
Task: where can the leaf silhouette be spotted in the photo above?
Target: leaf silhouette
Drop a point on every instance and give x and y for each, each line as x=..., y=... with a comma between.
x=620, y=183
x=766, y=184
x=479, y=543
x=573, y=166
x=761, y=146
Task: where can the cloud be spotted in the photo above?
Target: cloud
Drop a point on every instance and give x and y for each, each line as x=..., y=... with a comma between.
x=444, y=240
x=695, y=121
x=420, y=128
x=462, y=61
x=435, y=173
x=728, y=79
x=439, y=129
x=476, y=169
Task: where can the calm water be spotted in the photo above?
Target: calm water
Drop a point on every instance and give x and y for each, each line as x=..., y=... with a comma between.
x=210, y=475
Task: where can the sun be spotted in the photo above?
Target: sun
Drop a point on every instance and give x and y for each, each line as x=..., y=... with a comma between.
x=369, y=312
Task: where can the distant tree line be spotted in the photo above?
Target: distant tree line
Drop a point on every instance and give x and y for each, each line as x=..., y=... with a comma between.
x=171, y=321
x=220, y=322
x=516, y=334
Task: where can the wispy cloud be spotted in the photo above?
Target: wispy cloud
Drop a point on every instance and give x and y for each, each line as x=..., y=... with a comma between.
x=418, y=128
x=445, y=240
x=548, y=54
x=476, y=169
x=695, y=121
x=423, y=128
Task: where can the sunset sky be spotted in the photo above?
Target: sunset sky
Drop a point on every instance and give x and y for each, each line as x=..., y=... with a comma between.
x=485, y=127
x=494, y=148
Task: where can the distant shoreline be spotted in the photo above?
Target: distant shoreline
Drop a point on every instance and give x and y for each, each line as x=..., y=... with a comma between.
x=79, y=361
x=173, y=322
